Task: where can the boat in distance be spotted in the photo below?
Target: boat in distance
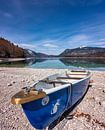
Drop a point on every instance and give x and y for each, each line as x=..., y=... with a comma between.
x=49, y=98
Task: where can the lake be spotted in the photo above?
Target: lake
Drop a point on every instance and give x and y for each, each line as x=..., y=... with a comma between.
x=59, y=63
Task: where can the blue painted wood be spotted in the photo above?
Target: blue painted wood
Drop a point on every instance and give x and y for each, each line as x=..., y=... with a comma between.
x=56, y=103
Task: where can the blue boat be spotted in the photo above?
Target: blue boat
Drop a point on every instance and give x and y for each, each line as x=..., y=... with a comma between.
x=48, y=99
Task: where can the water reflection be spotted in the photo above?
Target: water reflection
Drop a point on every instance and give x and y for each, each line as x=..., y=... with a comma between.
x=85, y=63
x=57, y=63
x=24, y=63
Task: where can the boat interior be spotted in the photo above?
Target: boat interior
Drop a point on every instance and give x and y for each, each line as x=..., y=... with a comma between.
x=39, y=89
x=56, y=80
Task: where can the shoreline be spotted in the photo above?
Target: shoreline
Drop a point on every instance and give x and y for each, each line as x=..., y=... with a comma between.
x=89, y=114
x=60, y=69
x=3, y=60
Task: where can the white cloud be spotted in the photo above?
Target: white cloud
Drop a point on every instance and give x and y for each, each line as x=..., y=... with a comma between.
x=28, y=46
x=78, y=38
x=99, y=44
x=8, y=15
x=102, y=39
x=50, y=45
x=86, y=40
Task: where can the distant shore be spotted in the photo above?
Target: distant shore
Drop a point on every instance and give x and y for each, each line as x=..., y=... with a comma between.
x=89, y=114
x=83, y=57
x=22, y=59
x=13, y=59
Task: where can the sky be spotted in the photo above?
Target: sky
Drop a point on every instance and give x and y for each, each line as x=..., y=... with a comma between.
x=51, y=26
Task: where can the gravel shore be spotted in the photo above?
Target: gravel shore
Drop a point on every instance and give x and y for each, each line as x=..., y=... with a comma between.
x=88, y=115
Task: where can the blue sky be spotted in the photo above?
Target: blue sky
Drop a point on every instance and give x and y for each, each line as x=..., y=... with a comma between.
x=50, y=26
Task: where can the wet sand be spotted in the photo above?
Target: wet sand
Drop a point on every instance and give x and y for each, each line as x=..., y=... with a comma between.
x=88, y=115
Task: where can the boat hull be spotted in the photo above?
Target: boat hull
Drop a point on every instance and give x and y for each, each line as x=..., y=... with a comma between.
x=41, y=113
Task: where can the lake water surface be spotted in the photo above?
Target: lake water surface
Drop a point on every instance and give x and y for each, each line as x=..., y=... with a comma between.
x=62, y=63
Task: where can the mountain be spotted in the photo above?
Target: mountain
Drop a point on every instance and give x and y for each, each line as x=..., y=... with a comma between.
x=9, y=50
x=84, y=52
x=30, y=53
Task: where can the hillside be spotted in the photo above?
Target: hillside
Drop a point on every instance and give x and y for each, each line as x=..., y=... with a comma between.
x=9, y=50
x=84, y=52
x=30, y=53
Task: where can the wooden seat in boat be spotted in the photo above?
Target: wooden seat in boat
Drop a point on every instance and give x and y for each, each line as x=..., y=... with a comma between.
x=77, y=73
x=78, y=70
x=54, y=82
x=69, y=78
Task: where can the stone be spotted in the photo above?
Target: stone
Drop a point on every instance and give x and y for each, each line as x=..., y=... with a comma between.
x=100, y=103
x=97, y=99
x=103, y=103
x=9, y=84
x=103, y=91
x=23, y=80
x=13, y=82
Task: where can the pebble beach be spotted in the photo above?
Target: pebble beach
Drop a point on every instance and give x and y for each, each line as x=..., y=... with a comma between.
x=88, y=115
